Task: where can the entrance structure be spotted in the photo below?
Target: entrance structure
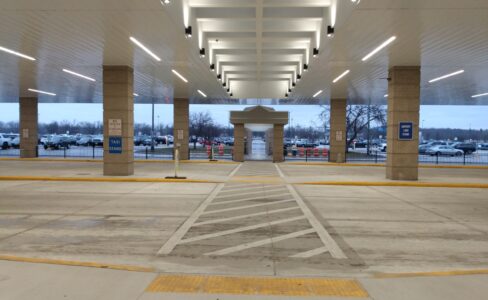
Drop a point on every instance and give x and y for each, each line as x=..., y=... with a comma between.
x=245, y=121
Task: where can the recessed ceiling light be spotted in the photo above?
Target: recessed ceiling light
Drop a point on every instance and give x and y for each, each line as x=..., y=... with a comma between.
x=135, y=41
x=446, y=76
x=340, y=76
x=318, y=93
x=202, y=93
x=179, y=75
x=78, y=74
x=379, y=48
x=16, y=53
x=479, y=95
x=136, y=95
x=41, y=92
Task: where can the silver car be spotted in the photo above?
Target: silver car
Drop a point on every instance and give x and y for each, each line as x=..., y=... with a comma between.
x=444, y=150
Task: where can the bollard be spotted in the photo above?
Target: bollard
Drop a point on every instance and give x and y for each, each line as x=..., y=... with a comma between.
x=93, y=151
x=64, y=151
x=177, y=165
x=464, y=158
x=437, y=158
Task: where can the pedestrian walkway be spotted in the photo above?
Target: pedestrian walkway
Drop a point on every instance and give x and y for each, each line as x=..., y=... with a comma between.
x=254, y=220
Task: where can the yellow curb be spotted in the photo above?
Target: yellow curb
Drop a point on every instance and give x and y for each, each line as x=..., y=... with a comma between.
x=432, y=274
x=266, y=286
x=101, y=179
x=101, y=160
x=423, y=166
x=400, y=184
x=77, y=263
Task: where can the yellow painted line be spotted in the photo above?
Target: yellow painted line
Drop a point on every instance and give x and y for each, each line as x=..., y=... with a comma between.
x=432, y=274
x=422, y=166
x=101, y=161
x=77, y=263
x=101, y=179
x=401, y=184
x=307, y=287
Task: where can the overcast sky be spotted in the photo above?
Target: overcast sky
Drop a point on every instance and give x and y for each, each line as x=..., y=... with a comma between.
x=475, y=117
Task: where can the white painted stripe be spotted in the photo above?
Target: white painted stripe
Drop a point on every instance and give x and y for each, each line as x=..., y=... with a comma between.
x=279, y=171
x=247, y=206
x=328, y=241
x=239, y=229
x=233, y=188
x=260, y=243
x=311, y=253
x=250, y=199
x=259, y=185
x=250, y=193
x=235, y=170
x=180, y=232
x=264, y=213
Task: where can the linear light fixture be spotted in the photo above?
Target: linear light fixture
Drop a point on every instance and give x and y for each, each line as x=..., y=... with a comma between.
x=386, y=95
x=179, y=75
x=341, y=76
x=479, y=95
x=140, y=45
x=379, y=48
x=41, y=92
x=202, y=93
x=136, y=95
x=78, y=74
x=17, y=53
x=318, y=93
x=446, y=76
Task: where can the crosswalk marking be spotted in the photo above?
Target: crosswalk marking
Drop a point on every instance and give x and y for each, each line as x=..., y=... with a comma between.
x=260, y=243
x=247, y=206
x=247, y=216
x=239, y=229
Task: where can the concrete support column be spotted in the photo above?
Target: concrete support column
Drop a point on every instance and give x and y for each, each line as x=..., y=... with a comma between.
x=338, y=130
x=118, y=121
x=403, y=107
x=278, y=132
x=239, y=133
x=28, y=127
x=181, y=131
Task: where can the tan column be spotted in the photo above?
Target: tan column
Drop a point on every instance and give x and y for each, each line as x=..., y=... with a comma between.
x=239, y=134
x=403, y=107
x=118, y=120
x=278, y=131
x=28, y=127
x=338, y=130
x=181, y=131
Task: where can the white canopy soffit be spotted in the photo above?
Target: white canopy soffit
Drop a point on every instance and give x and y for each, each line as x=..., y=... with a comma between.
x=258, y=47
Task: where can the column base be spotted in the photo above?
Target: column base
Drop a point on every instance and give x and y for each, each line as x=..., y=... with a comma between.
x=114, y=169
x=401, y=173
x=28, y=153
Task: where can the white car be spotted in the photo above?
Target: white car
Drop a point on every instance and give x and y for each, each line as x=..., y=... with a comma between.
x=5, y=141
x=15, y=143
x=444, y=150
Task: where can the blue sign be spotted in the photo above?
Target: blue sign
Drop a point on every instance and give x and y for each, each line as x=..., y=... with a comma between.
x=115, y=145
x=405, y=131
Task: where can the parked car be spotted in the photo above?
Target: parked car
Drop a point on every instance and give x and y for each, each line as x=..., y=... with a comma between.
x=5, y=141
x=468, y=148
x=483, y=146
x=444, y=150
x=57, y=142
x=382, y=147
x=15, y=143
x=84, y=141
x=97, y=141
x=423, y=148
x=139, y=140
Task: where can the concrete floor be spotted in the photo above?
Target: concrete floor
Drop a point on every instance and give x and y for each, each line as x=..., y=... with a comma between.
x=207, y=228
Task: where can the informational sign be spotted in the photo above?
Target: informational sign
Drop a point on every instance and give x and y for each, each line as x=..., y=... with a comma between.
x=25, y=133
x=115, y=127
x=405, y=131
x=115, y=145
x=180, y=134
x=339, y=136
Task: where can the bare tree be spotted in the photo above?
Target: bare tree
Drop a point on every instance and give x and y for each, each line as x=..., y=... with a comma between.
x=201, y=125
x=357, y=119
